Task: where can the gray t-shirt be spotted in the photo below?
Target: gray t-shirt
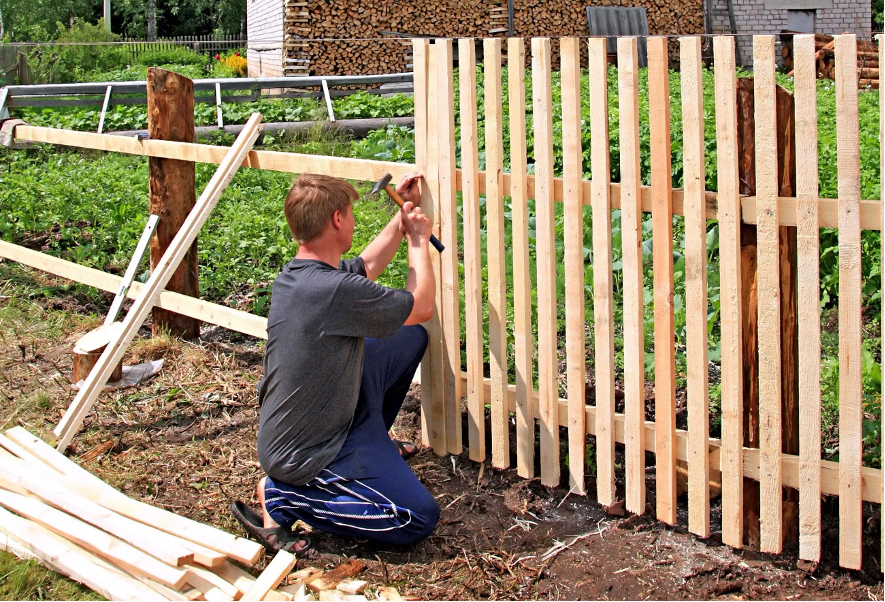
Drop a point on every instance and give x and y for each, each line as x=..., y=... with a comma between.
x=319, y=319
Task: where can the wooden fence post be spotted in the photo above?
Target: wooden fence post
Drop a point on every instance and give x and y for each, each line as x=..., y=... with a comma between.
x=170, y=104
x=786, y=153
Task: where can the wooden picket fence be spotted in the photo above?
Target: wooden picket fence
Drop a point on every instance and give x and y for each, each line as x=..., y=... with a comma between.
x=443, y=381
x=211, y=44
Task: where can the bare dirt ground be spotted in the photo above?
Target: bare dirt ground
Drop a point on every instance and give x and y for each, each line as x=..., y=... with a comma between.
x=185, y=441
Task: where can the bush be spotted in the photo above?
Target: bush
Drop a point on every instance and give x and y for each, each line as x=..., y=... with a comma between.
x=173, y=55
x=230, y=64
x=64, y=64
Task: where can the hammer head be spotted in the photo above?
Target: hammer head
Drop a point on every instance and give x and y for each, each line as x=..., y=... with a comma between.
x=381, y=184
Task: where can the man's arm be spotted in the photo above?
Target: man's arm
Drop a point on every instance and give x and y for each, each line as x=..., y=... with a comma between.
x=378, y=253
x=420, y=280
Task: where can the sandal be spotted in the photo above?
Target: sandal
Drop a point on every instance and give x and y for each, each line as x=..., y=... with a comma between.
x=407, y=449
x=273, y=539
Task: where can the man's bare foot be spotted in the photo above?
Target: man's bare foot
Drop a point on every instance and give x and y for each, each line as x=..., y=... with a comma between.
x=270, y=523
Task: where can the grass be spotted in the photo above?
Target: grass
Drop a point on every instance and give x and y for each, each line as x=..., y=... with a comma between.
x=30, y=580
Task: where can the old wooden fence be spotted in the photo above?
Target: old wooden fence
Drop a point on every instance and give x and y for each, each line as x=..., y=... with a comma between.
x=532, y=403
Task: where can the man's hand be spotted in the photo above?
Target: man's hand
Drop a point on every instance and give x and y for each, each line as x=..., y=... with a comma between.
x=408, y=188
x=415, y=225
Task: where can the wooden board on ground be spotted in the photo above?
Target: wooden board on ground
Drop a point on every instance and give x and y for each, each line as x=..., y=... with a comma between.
x=573, y=218
x=496, y=253
x=522, y=286
x=662, y=257
x=631, y=237
x=548, y=375
x=275, y=572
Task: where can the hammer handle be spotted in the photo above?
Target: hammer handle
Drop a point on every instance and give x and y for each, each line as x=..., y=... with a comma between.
x=392, y=193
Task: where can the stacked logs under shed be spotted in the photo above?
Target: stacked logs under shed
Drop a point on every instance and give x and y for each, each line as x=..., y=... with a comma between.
x=825, y=59
x=376, y=51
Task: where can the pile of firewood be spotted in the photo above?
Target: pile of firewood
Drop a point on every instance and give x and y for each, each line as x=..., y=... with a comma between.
x=825, y=59
x=449, y=18
x=54, y=511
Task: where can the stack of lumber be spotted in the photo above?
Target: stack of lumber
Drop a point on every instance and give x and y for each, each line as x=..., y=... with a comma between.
x=296, y=27
x=454, y=18
x=53, y=510
x=825, y=58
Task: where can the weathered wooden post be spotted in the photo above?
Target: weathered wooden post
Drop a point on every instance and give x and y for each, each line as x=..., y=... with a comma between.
x=786, y=170
x=170, y=103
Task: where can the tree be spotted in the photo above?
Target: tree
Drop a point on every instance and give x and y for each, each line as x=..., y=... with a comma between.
x=35, y=20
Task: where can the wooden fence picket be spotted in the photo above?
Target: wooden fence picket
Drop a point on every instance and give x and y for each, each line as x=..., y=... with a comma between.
x=522, y=283
x=631, y=238
x=603, y=295
x=768, y=278
x=808, y=261
x=729, y=215
x=662, y=235
x=472, y=251
x=548, y=375
x=495, y=253
x=850, y=325
x=881, y=40
x=430, y=205
x=448, y=214
x=573, y=219
x=695, y=287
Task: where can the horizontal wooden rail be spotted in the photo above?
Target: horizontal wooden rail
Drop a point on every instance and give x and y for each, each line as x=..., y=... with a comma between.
x=872, y=477
x=212, y=313
x=367, y=170
x=241, y=321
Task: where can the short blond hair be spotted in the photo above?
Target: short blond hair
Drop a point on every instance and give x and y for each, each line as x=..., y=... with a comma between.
x=312, y=201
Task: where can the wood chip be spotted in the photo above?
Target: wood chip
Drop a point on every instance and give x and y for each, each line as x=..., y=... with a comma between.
x=388, y=593
x=332, y=594
x=332, y=578
x=352, y=587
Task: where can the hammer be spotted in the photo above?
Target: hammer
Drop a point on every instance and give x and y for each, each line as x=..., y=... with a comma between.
x=384, y=183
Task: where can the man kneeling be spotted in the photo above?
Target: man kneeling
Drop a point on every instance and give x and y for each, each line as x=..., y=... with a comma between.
x=341, y=354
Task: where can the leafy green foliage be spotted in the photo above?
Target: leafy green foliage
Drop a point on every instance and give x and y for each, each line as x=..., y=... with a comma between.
x=69, y=63
x=363, y=105
x=172, y=55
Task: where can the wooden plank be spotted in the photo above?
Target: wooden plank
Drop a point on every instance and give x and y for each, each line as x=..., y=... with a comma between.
x=881, y=40
x=662, y=256
x=695, y=287
x=94, y=539
x=214, y=580
x=768, y=277
x=472, y=250
x=159, y=277
x=631, y=236
x=850, y=326
x=371, y=171
x=522, y=283
x=729, y=291
x=88, y=485
x=218, y=105
x=871, y=478
x=573, y=223
x=448, y=214
x=104, y=109
x=72, y=560
x=548, y=376
x=420, y=49
x=205, y=311
x=495, y=253
x=603, y=295
x=430, y=203
x=152, y=541
x=808, y=258
x=275, y=572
